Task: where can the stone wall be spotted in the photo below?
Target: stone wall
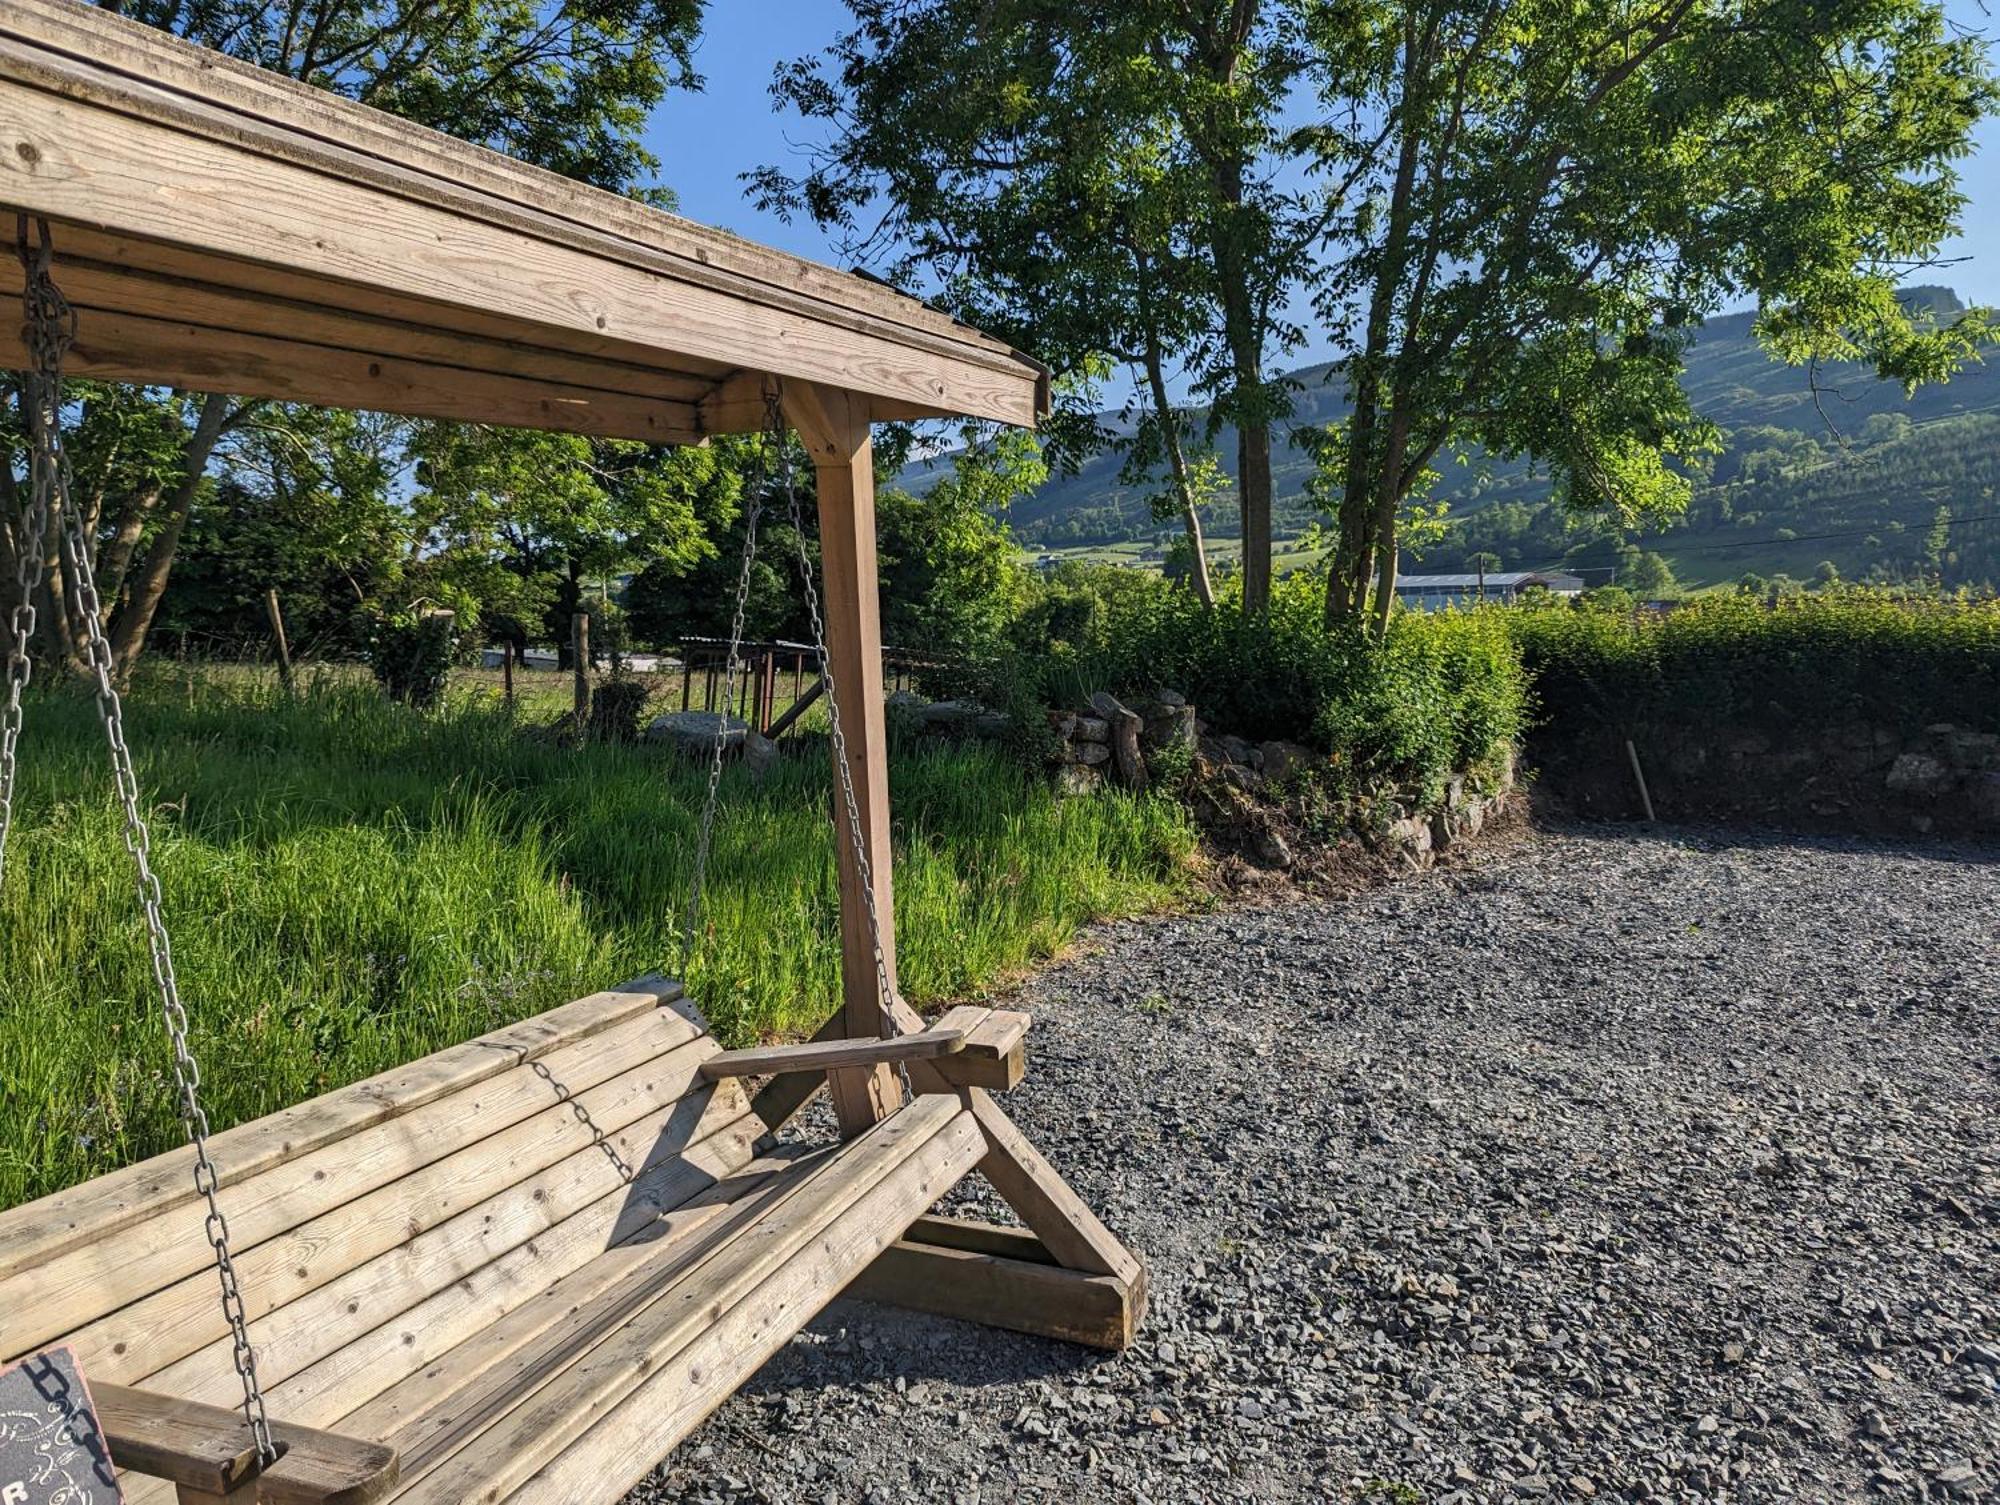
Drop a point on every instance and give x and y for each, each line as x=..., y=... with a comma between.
x=1261, y=800
x=1859, y=776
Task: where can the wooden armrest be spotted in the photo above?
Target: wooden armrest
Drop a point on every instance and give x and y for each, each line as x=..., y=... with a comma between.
x=831, y=1055
x=208, y=1450
x=995, y=1053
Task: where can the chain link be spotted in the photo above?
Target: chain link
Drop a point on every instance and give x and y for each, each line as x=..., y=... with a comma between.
x=51, y=327
x=703, y=843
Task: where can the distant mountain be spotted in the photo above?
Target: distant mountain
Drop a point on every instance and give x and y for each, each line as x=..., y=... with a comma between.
x=1858, y=459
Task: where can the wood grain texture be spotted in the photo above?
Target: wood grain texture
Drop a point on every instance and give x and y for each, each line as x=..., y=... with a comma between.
x=167, y=1437
x=833, y=426
x=84, y=143
x=782, y=1266
x=826, y=1055
x=317, y=1468
x=127, y=1301
x=598, y=1466
x=144, y=54
x=40, y=1231
x=90, y=283
x=987, y=1286
x=117, y=346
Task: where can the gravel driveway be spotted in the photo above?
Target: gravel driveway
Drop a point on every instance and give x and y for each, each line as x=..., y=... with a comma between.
x=1617, y=1166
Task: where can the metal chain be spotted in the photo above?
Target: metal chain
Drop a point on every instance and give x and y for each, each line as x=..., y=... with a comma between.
x=705, y=840
x=51, y=328
x=850, y=804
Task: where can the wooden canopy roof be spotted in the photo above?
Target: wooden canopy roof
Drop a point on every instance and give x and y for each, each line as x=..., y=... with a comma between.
x=221, y=228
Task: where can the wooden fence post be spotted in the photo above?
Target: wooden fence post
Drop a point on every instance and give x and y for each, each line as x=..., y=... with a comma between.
x=277, y=615
x=579, y=640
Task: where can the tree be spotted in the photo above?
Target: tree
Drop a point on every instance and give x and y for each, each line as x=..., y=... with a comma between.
x=566, y=86
x=951, y=582
x=305, y=508
x=1937, y=543
x=1546, y=199
x=558, y=511
x=1091, y=181
x=1647, y=575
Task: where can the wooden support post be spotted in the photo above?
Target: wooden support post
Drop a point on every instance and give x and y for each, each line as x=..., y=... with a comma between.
x=687, y=675
x=834, y=428
x=579, y=640
x=277, y=616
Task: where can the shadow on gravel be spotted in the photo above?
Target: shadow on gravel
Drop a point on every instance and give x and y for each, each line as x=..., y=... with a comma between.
x=914, y=1348
x=1713, y=838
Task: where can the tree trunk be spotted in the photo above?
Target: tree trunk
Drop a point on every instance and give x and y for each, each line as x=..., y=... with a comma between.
x=116, y=561
x=1347, y=581
x=10, y=511
x=1244, y=336
x=135, y=621
x=1253, y=479
x=1364, y=537
x=569, y=601
x=1388, y=502
x=1170, y=435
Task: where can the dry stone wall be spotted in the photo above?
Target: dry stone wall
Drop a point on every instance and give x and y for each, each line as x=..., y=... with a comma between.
x=1249, y=794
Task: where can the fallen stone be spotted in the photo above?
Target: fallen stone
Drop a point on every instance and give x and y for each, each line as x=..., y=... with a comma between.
x=693, y=732
x=1280, y=760
x=1073, y=779
x=1918, y=774
x=950, y=717
x=1271, y=848
x=760, y=754
x=1125, y=725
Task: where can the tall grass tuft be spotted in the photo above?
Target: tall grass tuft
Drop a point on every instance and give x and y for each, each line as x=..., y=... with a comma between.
x=351, y=884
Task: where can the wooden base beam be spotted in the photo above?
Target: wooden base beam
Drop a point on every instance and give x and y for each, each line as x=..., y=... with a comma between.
x=1003, y=1277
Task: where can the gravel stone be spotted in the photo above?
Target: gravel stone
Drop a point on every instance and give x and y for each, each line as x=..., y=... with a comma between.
x=1614, y=1166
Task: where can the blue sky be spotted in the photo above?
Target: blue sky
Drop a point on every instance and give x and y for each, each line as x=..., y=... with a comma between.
x=704, y=141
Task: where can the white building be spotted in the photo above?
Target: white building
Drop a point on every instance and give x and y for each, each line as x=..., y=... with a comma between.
x=1435, y=592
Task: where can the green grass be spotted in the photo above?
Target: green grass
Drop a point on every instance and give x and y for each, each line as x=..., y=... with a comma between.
x=351, y=885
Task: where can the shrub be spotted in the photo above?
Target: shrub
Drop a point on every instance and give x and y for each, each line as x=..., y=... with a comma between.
x=1441, y=693
x=1783, y=664
x=616, y=707
x=411, y=653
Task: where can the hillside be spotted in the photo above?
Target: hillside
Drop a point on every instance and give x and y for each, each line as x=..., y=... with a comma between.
x=1861, y=462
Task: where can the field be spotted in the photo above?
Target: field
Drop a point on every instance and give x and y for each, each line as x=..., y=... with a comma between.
x=352, y=885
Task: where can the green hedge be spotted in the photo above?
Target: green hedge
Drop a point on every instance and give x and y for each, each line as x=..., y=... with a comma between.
x=1805, y=663
x=1441, y=694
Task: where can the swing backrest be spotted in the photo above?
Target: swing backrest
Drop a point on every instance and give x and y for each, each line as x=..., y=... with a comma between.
x=379, y=1225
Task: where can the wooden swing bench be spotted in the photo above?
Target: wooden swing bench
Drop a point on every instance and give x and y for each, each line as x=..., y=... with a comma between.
x=523, y=1268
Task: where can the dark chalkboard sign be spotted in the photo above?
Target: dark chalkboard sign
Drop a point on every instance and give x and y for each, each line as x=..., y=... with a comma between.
x=51, y=1448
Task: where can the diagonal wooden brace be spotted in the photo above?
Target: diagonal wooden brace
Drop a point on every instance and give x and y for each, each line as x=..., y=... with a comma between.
x=1067, y=1276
